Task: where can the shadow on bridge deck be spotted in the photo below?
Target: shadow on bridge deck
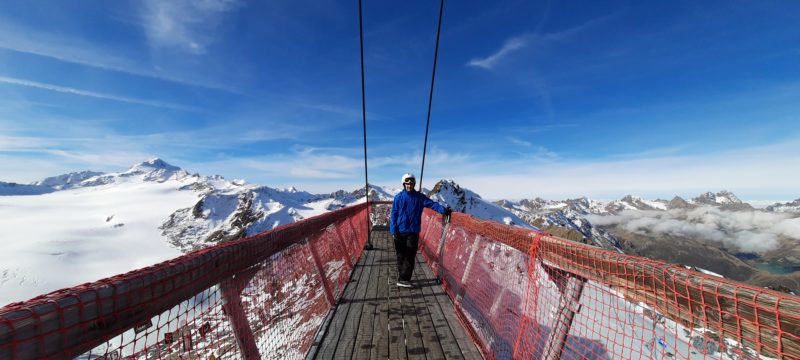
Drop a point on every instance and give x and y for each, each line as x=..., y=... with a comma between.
x=377, y=320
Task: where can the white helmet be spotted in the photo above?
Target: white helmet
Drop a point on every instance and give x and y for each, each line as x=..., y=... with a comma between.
x=408, y=176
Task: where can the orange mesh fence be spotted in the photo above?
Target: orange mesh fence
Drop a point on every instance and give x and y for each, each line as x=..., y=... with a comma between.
x=260, y=297
x=524, y=294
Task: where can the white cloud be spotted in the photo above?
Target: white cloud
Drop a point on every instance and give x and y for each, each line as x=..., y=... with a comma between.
x=515, y=43
x=520, y=142
x=79, y=92
x=22, y=143
x=184, y=24
x=510, y=45
x=749, y=231
x=61, y=47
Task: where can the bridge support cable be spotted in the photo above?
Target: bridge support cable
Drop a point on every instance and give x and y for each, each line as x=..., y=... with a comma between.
x=364, y=118
x=430, y=96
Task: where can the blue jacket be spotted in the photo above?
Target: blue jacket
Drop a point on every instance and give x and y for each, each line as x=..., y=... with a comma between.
x=406, y=214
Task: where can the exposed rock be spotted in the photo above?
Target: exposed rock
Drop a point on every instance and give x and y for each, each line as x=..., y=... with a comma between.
x=679, y=203
x=791, y=207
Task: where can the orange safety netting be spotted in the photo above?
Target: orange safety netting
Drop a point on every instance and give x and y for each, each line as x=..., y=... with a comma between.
x=523, y=294
x=266, y=294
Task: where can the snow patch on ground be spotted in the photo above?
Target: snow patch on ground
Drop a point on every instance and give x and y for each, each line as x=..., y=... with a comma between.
x=69, y=233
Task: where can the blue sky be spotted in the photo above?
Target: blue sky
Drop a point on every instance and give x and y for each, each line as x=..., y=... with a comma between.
x=553, y=99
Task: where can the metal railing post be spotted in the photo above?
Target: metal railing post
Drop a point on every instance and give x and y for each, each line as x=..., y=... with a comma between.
x=567, y=307
x=440, y=257
x=321, y=272
x=232, y=303
x=467, y=270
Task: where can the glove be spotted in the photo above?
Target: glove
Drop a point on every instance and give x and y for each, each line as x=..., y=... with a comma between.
x=448, y=211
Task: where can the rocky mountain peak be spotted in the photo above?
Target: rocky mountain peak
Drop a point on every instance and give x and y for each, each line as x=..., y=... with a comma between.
x=156, y=169
x=534, y=204
x=720, y=198
x=67, y=181
x=151, y=165
x=630, y=202
x=793, y=206
x=679, y=203
x=724, y=199
x=585, y=205
x=631, y=199
x=376, y=193
x=451, y=193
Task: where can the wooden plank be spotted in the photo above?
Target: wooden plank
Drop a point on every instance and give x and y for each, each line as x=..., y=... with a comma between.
x=366, y=328
x=447, y=340
x=380, y=341
x=382, y=321
x=350, y=330
x=431, y=341
x=397, y=335
x=415, y=348
x=460, y=337
x=334, y=331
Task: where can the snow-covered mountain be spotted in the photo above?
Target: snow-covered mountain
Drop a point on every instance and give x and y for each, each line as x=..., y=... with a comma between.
x=787, y=207
x=724, y=199
x=87, y=225
x=223, y=214
x=448, y=193
x=573, y=218
x=714, y=231
x=77, y=227
x=67, y=181
x=631, y=202
x=566, y=219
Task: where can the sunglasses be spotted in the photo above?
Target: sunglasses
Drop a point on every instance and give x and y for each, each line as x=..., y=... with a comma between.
x=410, y=182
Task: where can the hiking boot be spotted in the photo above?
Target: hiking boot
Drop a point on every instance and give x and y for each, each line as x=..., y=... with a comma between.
x=405, y=284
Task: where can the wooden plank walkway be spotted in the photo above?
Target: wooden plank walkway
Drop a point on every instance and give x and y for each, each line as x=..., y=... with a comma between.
x=377, y=320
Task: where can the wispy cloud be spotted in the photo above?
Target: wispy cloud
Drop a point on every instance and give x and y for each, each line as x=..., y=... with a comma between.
x=27, y=40
x=510, y=45
x=79, y=92
x=22, y=143
x=184, y=25
x=515, y=43
x=517, y=141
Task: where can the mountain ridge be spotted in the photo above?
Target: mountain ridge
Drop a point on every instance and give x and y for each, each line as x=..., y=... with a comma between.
x=215, y=210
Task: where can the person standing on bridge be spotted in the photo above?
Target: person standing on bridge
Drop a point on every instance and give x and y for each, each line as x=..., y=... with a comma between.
x=404, y=225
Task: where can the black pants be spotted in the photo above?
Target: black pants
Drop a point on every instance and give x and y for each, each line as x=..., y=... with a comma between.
x=406, y=247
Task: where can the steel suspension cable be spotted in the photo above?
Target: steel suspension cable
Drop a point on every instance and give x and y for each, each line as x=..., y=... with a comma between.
x=364, y=117
x=430, y=97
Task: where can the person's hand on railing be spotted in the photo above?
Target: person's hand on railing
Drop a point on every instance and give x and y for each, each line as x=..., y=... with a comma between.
x=448, y=211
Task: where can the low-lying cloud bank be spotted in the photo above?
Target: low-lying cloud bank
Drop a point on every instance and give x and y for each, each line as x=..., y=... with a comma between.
x=748, y=231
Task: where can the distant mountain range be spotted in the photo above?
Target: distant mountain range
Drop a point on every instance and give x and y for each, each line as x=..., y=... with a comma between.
x=214, y=210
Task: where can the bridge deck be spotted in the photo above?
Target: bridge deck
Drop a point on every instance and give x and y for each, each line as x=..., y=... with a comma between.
x=377, y=320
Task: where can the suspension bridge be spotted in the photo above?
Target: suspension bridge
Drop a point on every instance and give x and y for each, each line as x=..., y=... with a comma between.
x=322, y=288
x=484, y=290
